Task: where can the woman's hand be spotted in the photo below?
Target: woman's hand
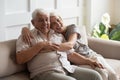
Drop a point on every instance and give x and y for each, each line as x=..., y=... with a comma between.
x=95, y=64
x=26, y=35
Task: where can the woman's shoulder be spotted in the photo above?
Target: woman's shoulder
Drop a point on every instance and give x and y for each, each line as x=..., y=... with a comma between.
x=72, y=25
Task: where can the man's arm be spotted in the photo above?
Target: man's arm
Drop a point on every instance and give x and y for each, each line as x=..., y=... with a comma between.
x=41, y=47
x=26, y=55
x=78, y=59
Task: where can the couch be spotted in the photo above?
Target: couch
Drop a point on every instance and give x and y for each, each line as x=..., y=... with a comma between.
x=10, y=70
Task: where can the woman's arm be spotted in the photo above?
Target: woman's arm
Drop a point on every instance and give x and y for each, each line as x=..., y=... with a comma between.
x=78, y=59
x=26, y=35
x=70, y=43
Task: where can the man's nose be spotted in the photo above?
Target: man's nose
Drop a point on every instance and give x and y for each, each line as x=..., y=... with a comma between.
x=45, y=22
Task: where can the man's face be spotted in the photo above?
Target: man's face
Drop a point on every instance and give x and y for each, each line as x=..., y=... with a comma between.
x=42, y=23
x=56, y=24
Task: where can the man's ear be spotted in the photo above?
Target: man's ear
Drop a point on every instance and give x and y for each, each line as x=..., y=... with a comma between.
x=32, y=22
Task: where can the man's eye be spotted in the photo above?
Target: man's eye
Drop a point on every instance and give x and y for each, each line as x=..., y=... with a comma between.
x=40, y=20
x=46, y=19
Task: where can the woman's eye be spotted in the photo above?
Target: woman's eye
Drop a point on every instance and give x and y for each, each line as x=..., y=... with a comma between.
x=58, y=20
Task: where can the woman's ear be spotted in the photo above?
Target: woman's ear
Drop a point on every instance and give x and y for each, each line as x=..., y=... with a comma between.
x=60, y=18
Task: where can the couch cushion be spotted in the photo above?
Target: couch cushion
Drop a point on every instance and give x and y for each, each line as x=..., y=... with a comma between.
x=17, y=76
x=83, y=35
x=115, y=64
x=7, y=58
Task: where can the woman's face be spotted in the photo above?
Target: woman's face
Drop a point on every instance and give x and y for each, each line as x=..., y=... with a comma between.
x=56, y=24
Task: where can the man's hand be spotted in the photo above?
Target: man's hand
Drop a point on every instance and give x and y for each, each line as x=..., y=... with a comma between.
x=49, y=46
x=55, y=46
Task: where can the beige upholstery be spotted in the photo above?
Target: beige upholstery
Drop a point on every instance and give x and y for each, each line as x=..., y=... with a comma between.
x=9, y=70
x=109, y=49
x=17, y=76
x=8, y=64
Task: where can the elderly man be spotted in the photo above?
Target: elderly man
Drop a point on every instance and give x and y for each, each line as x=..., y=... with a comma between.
x=43, y=47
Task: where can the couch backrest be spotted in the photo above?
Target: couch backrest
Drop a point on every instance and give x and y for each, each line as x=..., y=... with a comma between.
x=83, y=34
x=8, y=63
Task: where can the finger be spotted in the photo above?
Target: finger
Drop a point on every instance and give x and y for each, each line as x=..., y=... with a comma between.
x=55, y=44
x=55, y=47
x=24, y=39
x=31, y=36
x=27, y=40
x=101, y=66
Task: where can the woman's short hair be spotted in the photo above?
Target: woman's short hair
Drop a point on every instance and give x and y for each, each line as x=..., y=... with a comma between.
x=54, y=13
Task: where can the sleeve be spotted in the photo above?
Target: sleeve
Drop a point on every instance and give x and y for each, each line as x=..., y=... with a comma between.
x=20, y=45
x=70, y=51
x=72, y=29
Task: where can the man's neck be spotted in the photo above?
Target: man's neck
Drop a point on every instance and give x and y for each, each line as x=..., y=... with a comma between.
x=44, y=35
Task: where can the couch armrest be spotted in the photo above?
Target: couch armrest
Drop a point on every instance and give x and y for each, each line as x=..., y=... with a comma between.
x=107, y=48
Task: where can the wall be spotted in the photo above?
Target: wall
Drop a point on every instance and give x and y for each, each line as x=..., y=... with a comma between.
x=15, y=14
x=117, y=12
x=96, y=8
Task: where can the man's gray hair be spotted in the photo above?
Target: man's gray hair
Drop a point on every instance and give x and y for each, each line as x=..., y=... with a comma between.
x=40, y=11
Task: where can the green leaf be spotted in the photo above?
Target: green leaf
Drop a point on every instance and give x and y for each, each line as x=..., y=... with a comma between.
x=116, y=36
x=116, y=29
x=102, y=28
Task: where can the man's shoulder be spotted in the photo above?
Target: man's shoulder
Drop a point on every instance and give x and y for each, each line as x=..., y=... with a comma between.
x=33, y=30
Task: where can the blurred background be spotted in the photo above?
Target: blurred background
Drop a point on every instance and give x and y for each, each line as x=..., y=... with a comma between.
x=15, y=14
